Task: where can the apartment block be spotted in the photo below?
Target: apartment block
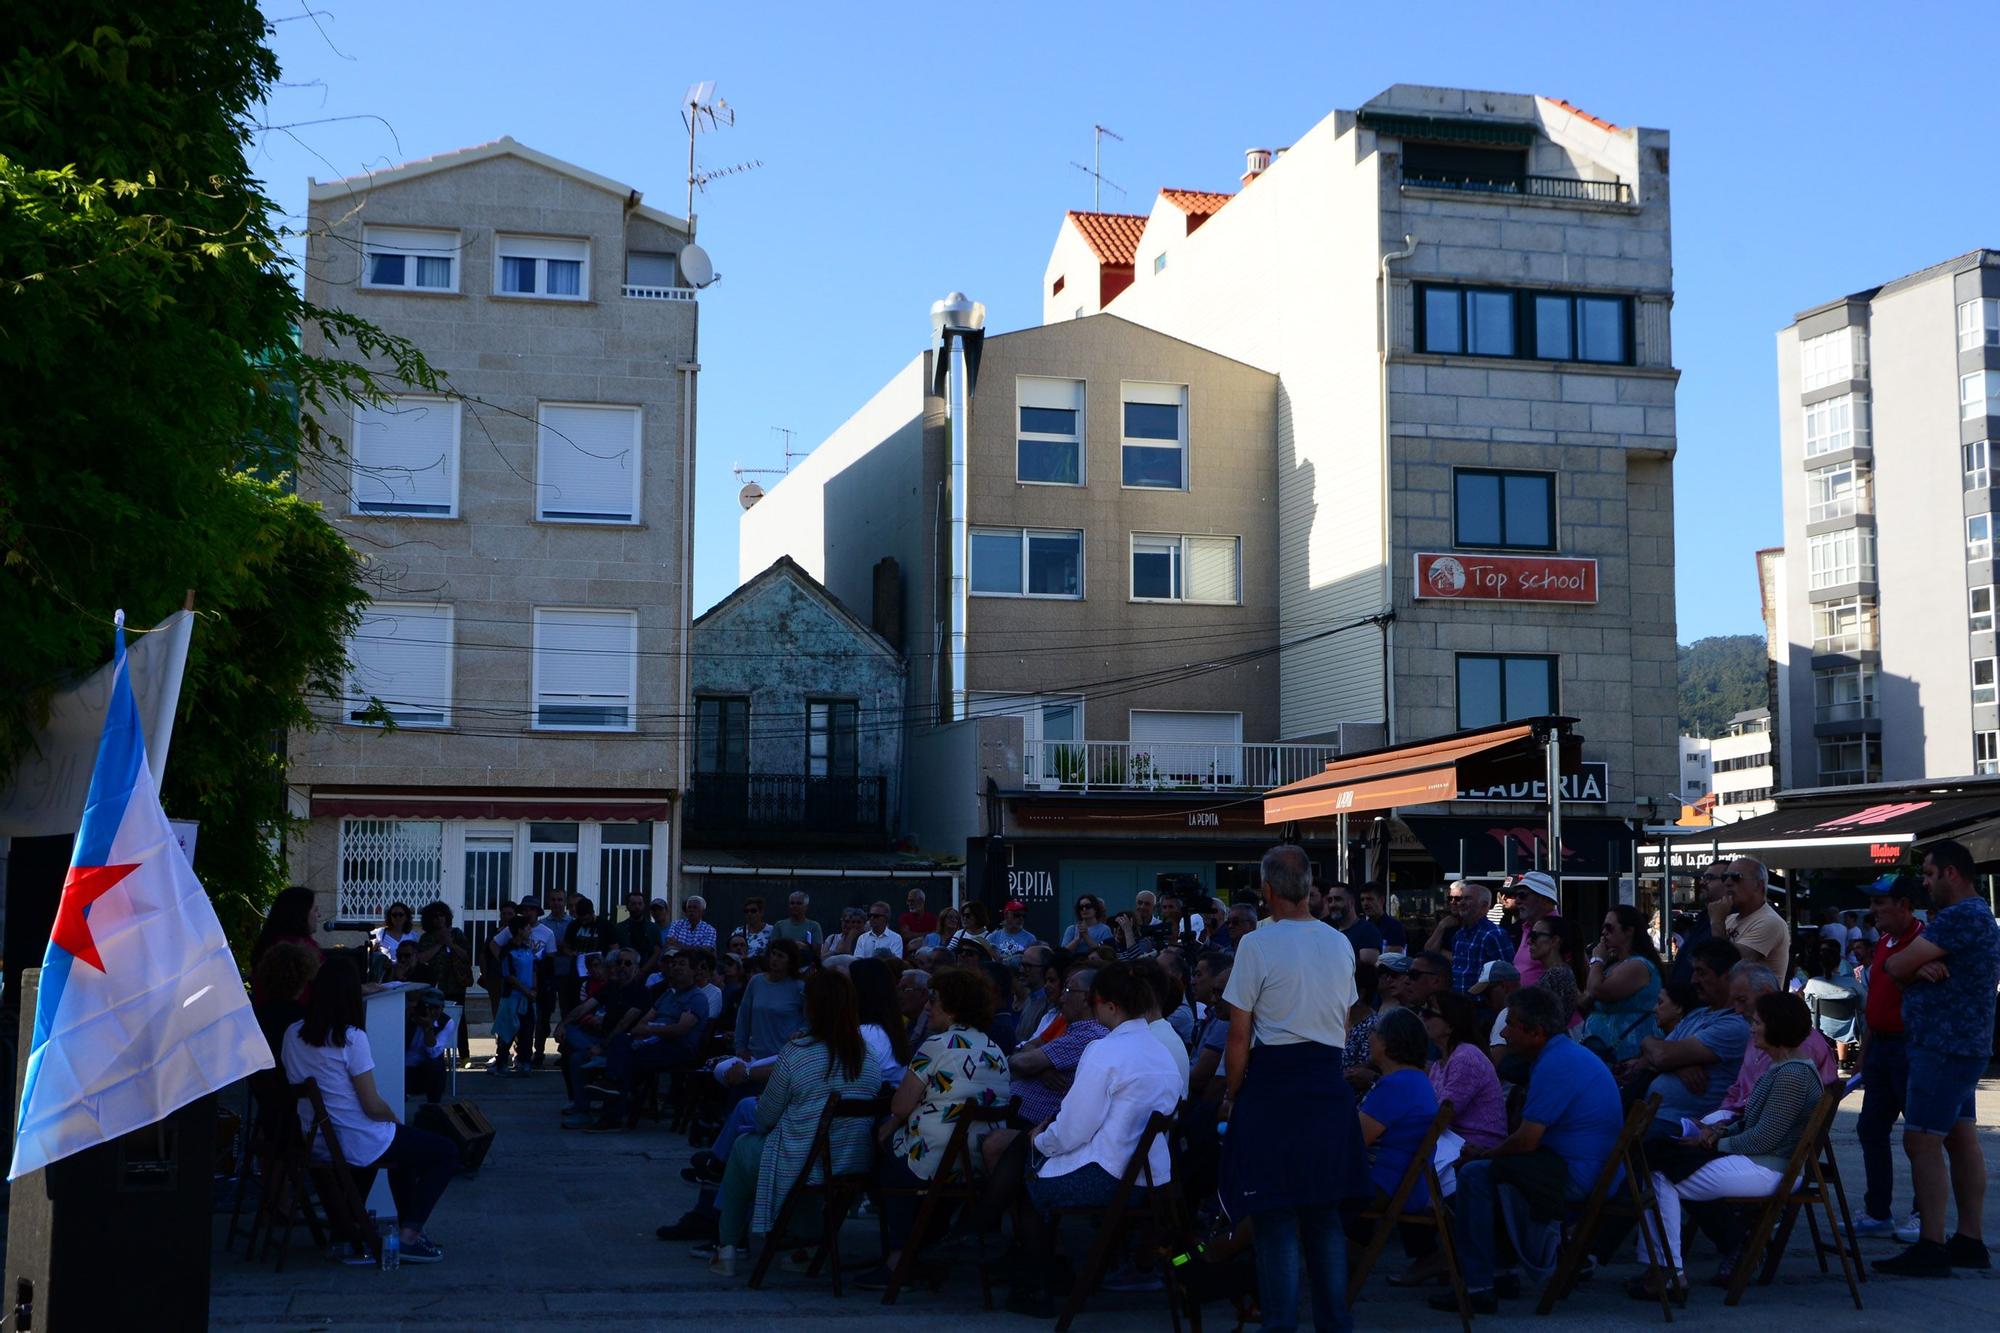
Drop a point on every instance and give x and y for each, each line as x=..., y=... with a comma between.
x=1745, y=776
x=1889, y=605
x=525, y=534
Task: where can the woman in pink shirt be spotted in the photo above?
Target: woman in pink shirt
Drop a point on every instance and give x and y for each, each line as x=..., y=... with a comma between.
x=1463, y=1074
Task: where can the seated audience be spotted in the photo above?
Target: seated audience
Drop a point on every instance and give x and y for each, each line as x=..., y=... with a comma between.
x=1166, y=990
x=1676, y=1000
x=1462, y=1074
x=669, y=1038
x=1692, y=1066
x=1043, y=1070
x=1089, y=927
x=1620, y=987
x=1361, y=1015
x=1398, y=1110
x=773, y=1004
x=597, y=1018
x=1553, y=945
x=1834, y=987
x=1747, y=981
x=883, y=1025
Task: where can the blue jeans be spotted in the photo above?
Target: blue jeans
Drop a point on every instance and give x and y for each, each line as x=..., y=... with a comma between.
x=1885, y=1076
x=1280, y=1233
x=419, y=1165
x=742, y=1119
x=1479, y=1207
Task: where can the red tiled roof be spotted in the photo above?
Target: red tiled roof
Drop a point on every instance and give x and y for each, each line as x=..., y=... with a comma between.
x=1576, y=110
x=1199, y=203
x=1114, y=237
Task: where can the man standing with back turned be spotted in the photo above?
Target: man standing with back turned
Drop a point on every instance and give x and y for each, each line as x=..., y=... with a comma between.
x=1292, y=1152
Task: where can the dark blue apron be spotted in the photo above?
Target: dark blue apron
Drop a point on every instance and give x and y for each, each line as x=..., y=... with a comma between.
x=1294, y=1140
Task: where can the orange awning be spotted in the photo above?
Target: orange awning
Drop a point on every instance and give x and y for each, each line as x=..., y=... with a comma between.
x=1422, y=772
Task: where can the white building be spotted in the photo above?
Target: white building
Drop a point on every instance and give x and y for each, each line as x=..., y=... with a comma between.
x=1696, y=773
x=1745, y=780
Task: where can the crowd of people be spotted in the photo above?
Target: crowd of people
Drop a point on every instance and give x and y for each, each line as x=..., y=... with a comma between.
x=1304, y=1042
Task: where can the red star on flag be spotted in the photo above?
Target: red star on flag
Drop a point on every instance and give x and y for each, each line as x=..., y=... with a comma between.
x=85, y=885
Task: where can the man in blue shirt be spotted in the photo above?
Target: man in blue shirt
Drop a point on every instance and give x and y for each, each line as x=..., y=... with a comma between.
x=1570, y=1122
x=1473, y=940
x=1394, y=938
x=1693, y=1065
x=670, y=1038
x=1949, y=974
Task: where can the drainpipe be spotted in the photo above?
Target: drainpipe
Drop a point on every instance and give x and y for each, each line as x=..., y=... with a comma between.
x=683, y=706
x=1388, y=522
x=958, y=329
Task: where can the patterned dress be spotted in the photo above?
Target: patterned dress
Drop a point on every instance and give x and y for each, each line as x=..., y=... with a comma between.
x=958, y=1066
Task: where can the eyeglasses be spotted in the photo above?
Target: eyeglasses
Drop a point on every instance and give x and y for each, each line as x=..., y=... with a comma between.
x=878, y=916
x=1734, y=876
x=1541, y=935
x=1714, y=877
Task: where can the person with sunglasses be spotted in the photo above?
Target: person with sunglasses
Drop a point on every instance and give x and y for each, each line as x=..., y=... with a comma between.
x=1744, y=916
x=1622, y=986
x=1712, y=885
x=397, y=926
x=878, y=941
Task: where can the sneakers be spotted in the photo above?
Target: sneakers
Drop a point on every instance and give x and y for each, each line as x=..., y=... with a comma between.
x=707, y=1170
x=1865, y=1225
x=721, y=1259
x=1926, y=1258
x=422, y=1250
x=1965, y=1252
x=1910, y=1230
x=499, y=1064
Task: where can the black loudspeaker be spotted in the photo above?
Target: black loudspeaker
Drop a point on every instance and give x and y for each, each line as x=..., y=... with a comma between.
x=141, y=1204
x=464, y=1125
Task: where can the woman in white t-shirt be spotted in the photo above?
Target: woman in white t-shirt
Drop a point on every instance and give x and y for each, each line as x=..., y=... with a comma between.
x=398, y=924
x=330, y=1046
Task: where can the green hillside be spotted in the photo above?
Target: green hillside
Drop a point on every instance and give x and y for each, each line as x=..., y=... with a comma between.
x=1719, y=678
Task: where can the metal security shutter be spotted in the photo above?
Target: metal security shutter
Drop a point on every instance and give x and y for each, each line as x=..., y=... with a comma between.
x=404, y=457
x=402, y=656
x=588, y=463
x=1188, y=748
x=1211, y=570
x=542, y=247
x=586, y=669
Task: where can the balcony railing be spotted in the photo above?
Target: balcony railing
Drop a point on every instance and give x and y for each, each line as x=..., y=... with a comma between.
x=1534, y=187
x=634, y=293
x=1169, y=765
x=740, y=805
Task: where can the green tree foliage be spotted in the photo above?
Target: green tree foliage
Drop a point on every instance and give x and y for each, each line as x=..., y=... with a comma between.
x=151, y=376
x=1719, y=678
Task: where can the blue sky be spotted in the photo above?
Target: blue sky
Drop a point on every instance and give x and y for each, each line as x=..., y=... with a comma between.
x=908, y=150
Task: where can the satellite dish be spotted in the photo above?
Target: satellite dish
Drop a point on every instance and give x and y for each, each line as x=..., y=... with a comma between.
x=695, y=266
x=750, y=494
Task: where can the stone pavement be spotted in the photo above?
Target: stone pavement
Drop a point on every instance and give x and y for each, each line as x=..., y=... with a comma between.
x=557, y=1231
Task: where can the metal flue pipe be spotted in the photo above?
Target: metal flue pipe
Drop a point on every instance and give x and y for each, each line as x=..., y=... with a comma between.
x=958, y=326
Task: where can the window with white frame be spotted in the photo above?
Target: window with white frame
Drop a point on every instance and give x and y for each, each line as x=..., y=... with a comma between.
x=1048, y=451
x=586, y=671
x=1155, y=436
x=1167, y=568
x=1025, y=562
x=403, y=457
x=1844, y=627
x=1979, y=323
x=1832, y=358
x=553, y=859
x=587, y=463
x=1986, y=752
x=1834, y=558
x=409, y=259
x=1833, y=424
x=385, y=861
x=557, y=267
x=1979, y=537
x=1835, y=492
x=1979, y=603
x=832, y=738
x=1979, y=394
x=1985, y=683
x=401, y=661
x=1978, y=459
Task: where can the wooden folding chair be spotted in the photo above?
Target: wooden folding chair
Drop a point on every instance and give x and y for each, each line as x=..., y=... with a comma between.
x=1829, y=1165
x=271, y=1124
x=836, y=1191
x=1641, y=1204
x=1803, y=1184
x=1160, y=1207
x=296, y=1178
x=955, y=1182
x=1387, y=1218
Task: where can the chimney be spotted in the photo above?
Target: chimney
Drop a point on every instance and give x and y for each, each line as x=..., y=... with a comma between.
x=1255, y=162
x=886, y=617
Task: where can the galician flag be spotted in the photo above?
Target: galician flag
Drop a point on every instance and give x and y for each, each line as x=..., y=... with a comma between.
x=141, y=1007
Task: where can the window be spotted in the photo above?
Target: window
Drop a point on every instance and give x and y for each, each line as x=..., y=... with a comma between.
x=1831, y=425
x=1835, y=492
x=1155, y=436
x=1979, y=323
x=1017, y=562
x=401, y=655
x=587, y=463
x=655, y=269
x=721, y=734
x=624, y=863
x=1504, y=509
x=1979, y=394
x=1986, y=752
x=549, y=266
x=1832, y=358
x=1185, y=569
x=552, y=859
x=1979, y=537
x=409, y=259
x=1049, y=449
x=1546, y=326
x=1846, y=760
x=1985, y=686
x=1184, y=749
x=1160, y=262
x=1841, y=557
x=586, y=672
x=1978, y=457
x=385, y=861
x=831, y=734
x=1844, y=627
x=1980, y=617
x=403, y=458
x=1845, y=694
x=1495, y=688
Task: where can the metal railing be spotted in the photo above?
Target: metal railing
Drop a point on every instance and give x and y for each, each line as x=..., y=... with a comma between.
x=1534, y=187
x=747, y=804
x=634, y=293
x=1169, y=765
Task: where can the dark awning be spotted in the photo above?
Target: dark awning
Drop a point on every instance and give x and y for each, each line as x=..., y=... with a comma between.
x=1420, y=772
x=1488, y=846
x=1447, y=129
x=1863, y=830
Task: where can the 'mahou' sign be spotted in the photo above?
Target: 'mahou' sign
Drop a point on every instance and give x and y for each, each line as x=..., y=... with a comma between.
x=1505, y=578
x=1587, y=786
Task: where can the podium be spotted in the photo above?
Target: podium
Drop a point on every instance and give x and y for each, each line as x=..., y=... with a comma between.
x=388, y=1038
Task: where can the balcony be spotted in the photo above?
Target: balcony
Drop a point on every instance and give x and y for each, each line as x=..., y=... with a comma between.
x=1169, y=765
x=723, y=807
x=1533, y=187
x=639, y=293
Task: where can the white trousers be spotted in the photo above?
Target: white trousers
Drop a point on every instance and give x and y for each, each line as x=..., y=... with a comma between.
x=1723, y=1178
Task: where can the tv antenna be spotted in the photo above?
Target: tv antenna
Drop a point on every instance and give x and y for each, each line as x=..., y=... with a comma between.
x=786, y=434
x=702, y=110
x=1097, y=161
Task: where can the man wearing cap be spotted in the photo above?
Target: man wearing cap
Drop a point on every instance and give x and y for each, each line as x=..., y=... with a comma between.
x=1012, y=937
x=1534, y=895
x=1885, y=1061
x=432, y=1037
x=1495, y=988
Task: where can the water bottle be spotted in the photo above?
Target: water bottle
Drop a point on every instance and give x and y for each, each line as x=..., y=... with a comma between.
x=390, y=1235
